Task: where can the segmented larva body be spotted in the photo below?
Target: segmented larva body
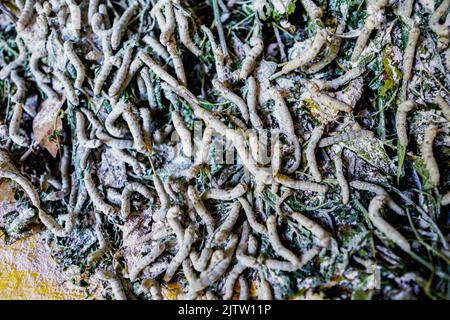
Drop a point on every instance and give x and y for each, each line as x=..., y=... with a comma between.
x=227, y=194
x=19, y=82
x=428, y=156
x=114, y=282
x=264, y=289
x=178, y=65
x=200, y=262
x=152, y=286
x=318, y=42
x=112, y=117
x=92, y=9
x=224, y=230
x=320, y=233
x=444, y=106
x=40, y=76
x=300, y=185
x=161, y=191
x=120, y=26
x=243, y=288
x=156, y=47
x=281, y=113
x=217, y=53
x=81, y=133
x=345, y=190
x=400, y=121
x=410, y=51
x=252, y=104
x=14, y=126
x=135, y=65
x=145, y=74
x=251, y=57
x=251, y=217
x=442, y=30
x=125, y=207
x=312, y=10
x=340, y=81
x=140, y=144
x=6, y=70
x=183, y=31
x=168, y=28
x=202, y=152
x=121, y=74
x=241, y=255
x=92, y=119
x=201, y=210
x=326, y=100
x=316, y=135
x=97, y=200
x=64, y=168
x=123, y=156
x=289, y=266
x=146, y=260
x=115, y=143
x=232, y=97
x=391, y=233
x=25, y=15
x=68, y=88
x=75, y=17
x=189, y=238
x=159, y=71
x=183, y=132
x=76, y=62
x=345, y=136
x=173, y=219
x=103, y=243
x=101, y=77
x=275, y=241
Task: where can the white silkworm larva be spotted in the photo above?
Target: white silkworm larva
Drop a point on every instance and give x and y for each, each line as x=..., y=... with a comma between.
x=123, y=156
x=218, y=54
x=410, y=50
x=317, y=43
x=201, y=209
x=173, y=219
x=281, y=113
x=316, y=135
x=200, y=262
x=14, y=126
x=76, y=62
x=114, y=282
x=275, y=241
x=140, y=144
x=40, y=76
x=80, y=127
x=374, y=215
x=183, y=132
x=444, y=106
x=101, y=77
x=227, y=194
x=161, y=191
x=135, y=65
x=125, y=207
x=320, y=233
x=428, y=156
x=92, y=119
x=202, y=152
x=25, y=15
x=290, y=267
x=345, y=190
x=168, y=28
x=345, y=136
x=92, y=9
x=442, y=30
x=252, y=103
x=120, y=26
x=353, y=73
x=178, y=65
x=68, y=87
x=232, y=97
x=153, y=287
x=6, y=70
x=250, y=59
x=103, y=243
x=183, y=31
x=116, y=112
x=115, y=143
x=96, y=198
x=156, y=47
x=64, y=168
x=300, y=185
x=158, y=70
x=264, y=289
x=19, y=82
x=121, y=74
x=146, y=260
x=400, y=121
x=189, y=238
x=251, y=217
x=224, y=230
x=362, y=185
x=243, y=288
x=326, y=100
x=145, y=73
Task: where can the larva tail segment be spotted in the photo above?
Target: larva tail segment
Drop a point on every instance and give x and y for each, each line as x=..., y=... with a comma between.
x=428, y=156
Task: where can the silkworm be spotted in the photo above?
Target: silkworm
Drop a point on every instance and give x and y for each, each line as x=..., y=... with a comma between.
x=135, y=65
x=162, y=194
x=123, y=156
x=145, y=74
x=19, y=82
x=173, y=219
x=156, y=47
x=140, y=144
x=400, y=121
x=158, y=70
x=75, y=17
x=326, y=100
x=348, y=76
x=178, y=65
x=217, y=53
x=289, y=266
x=391, y=233
x=410, y=50
x=443, y=105
x=226, y=194
x=300, y=185
x=114, y=282
x=97, y=200
x=379, y=191
x=251, y=217
x=168, y=28
x=25, y=15
x=101, y=77
x=264, y=289
x=68, y=88
x=428, y=156
x=312, y=10
x=92, y=9
x=42, y=26
x=103, y=243
x=281, y=113
x=252, y=103
x=92, y=119
x=441, y=30
x=14, y=126
x=183, y=31
x=6, y=70
x=316, y=135
x=275, y=241
x=445, y=201
x=125, y=207
x=200, y=262
x=76, y=62
x=183, y=133
x=201, y=210
x=153, y=287
x=232, y=97
x=121, y=74
x=115, y=143
x=243, y=288
x=345, y=136
x=202, y=152
x=111, y=118
x=345, y=190
x=319, y=232
x=224, y=230
x=250, y=59
x=64, y=168
x=120, y=26
x=317, y=43
x=40, y=76
x=81, y=134
x=189, y=238
x=146, y=260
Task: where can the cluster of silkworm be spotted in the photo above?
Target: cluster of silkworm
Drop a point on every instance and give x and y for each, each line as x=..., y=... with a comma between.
x=123, y=77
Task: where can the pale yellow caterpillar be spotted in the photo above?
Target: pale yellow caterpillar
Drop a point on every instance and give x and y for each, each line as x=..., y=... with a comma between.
x=162, y=194
x=442, y=30
x=252, y=103
x=300, y=185
x=183, y=31
x=97, y=200
x=428, y=156
x=120, y=26
x=323, y=236
x=153, y=287
x=232, y=97
x=140, y=144
x=201, y=210
x=92, y=9
x=312, y=10
x=444, y=106
x=264, y=289
x=345, y=190
x=326, y=100
x=19, y=82
x=200, y=262
x=25, y=15
x=80, y=127
x=345, y=136
x=125, y=207
x=146, y=260
x=121, y=74
x=251, y=217
x=114, y=143
x=227, y=194
x=76, y=62
x=224, y=230
x=14, y=126
x=173, y=219
x=68, y=87
x=218, y=54
x=183, y=132
x=115, y=113
x=243, y=288
x=145, y=74
x=171, y=46
x=114, y=282
x=289, y=266
x=316, y=135
x=156, y=47
x=103, y=243
x=75, y=17
x=353, y=73
x=40, y=76
x=410, y=50
x=6, y=70
x=252, y=55
x=275, y=241
x=158, y=70
x=132, y=161
x=400, y=121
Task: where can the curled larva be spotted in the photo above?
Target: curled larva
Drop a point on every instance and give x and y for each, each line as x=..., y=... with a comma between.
x=25, y=15
x=121, y=74
x=153, y=287
x=68, y=87
x=135, y=65
x=110, y=121
x=410, y=50
x=201, y=210
x=325, y=100
x=300, y=185
x=275, y=241
x=19, y=82
x=96, y=198
x=250, y=59
x=140, y=144
x=34, y=62
x=312, y=10
x=442, y=30
x=81, y=133
x=444, y=106
x=125, y=206
x=227, y=194
x=428, y=156
x=146, y=260
x=345, y=136
x=317, y=43
x=168, y=28
x=338, y=82
x=178, y=65
x=189, y=238
x=14, y=126
x=232, y=97
x=183, y=30
x=316, y=135
x=200, y=261
x=183, y=132
x=217, y=53
x=120, y=26
x=76, y=62
x=224, y=230
x=400, y=121
x=320, y=233
x=345, y=190
x=103, y=243
x=123, y=156
x=251, y=217
x=374, y=215
x=114, y=282
x=6, y=70
x=173, y=219
x=289, y=266
x=362, y=185
x=156, y=47
x=252, y=104
x=114, y=143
